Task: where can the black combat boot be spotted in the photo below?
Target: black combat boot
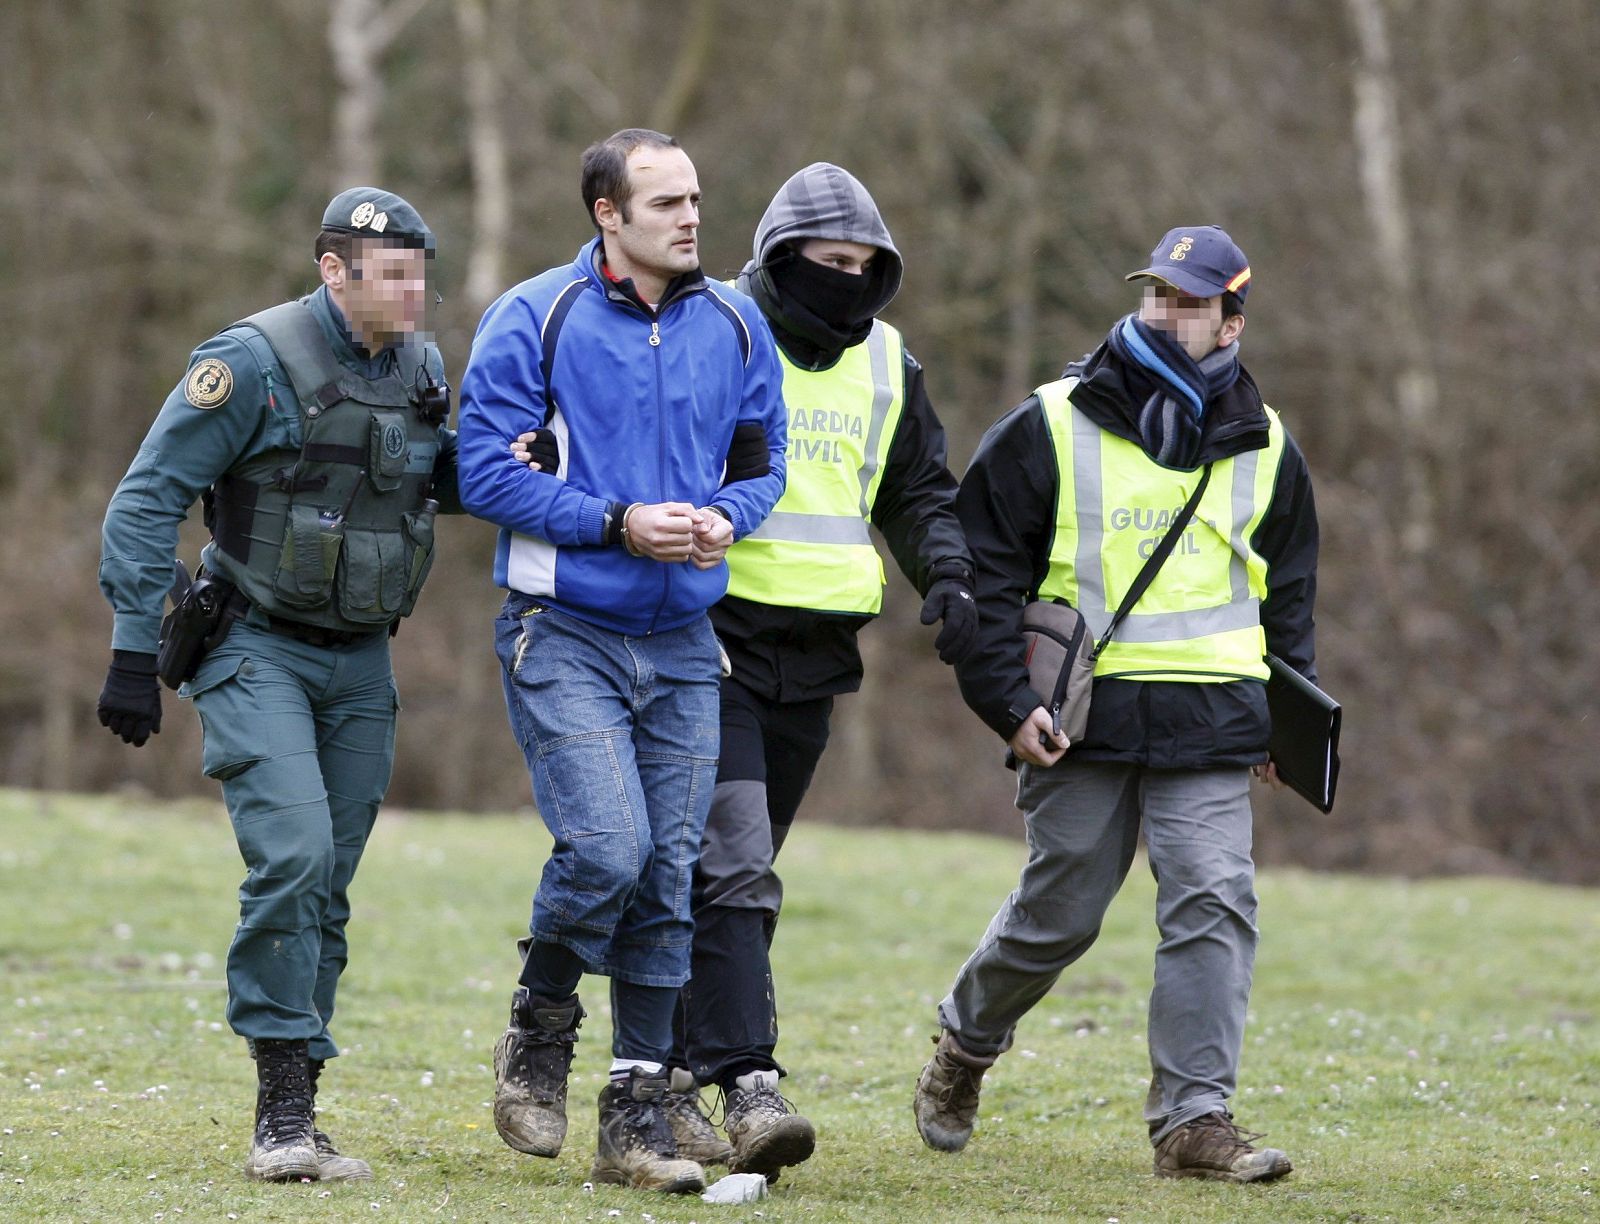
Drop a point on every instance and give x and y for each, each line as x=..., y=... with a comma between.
x=283, y=1148
x=531, y=1061
x=331, y=1166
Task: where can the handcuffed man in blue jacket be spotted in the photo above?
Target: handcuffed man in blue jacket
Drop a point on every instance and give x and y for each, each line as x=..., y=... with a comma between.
x=647, y=376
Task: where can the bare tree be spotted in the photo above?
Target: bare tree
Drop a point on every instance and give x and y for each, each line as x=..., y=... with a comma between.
x=491, y=191
x=688, y=69
x=360, y=33
x=1379, y=146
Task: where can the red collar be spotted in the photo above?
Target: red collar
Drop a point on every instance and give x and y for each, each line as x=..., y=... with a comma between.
x=624, y=283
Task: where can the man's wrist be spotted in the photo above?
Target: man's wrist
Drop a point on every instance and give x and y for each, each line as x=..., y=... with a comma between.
x=611, y=524
x=134, y=662
x=951, y=568
x=1018, y=711
x=625, y=536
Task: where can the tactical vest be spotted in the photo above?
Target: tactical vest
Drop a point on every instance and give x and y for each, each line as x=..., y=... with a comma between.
x=339, y=535
x=813, y=550
x=1200, y=620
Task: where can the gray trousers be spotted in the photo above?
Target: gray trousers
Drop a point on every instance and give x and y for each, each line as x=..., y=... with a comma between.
x=1083, y=822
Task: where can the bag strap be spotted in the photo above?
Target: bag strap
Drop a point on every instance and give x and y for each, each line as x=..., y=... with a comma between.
x=1154, y=561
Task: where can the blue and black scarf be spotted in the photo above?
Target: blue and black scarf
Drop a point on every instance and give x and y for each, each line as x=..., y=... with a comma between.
x=1175, y=388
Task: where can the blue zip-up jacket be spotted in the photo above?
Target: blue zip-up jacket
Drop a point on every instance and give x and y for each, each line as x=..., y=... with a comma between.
x=644, y=407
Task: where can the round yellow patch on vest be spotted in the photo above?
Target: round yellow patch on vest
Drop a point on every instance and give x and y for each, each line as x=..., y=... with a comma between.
x=210, y=383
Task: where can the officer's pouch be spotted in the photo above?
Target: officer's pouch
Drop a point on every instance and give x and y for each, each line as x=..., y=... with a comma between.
x=417, y=526
x=386, y=450
x=1060, y=657
x=195, y=627
x=312, y=539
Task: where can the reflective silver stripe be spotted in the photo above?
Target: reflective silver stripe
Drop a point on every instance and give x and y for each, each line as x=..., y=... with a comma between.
x=1091, y=523
x=882, y=397
x=1179, y=626
x=813, y=528
x=1244, y=504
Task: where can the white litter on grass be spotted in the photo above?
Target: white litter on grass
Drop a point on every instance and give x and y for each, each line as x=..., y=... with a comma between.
x=737, y=1188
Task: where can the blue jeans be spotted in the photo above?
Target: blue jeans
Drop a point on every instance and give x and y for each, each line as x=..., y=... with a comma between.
x=620, y=734
x=302, y=739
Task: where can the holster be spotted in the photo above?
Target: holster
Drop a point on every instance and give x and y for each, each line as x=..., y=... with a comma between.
x=196, y=626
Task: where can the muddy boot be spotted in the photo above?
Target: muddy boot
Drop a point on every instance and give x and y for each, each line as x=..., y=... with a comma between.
x=946, y=1103
x=1213, y=1147
x=636, y=1147
x=531, y=1061
x=766, y=1133
x=331, y=1166
x=697, y=1139
x=282, y=1148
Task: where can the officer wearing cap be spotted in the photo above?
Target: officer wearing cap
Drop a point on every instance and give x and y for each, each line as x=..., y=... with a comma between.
x=314, y=433
x=1066, y=497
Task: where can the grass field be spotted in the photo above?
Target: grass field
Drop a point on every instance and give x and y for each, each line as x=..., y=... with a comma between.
x=1423, y=1051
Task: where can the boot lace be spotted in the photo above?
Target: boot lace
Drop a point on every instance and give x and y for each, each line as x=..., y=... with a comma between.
x=959, y=1085
x=285, y=1099
x=540, y=1061
x=1218, y=1138
x=760, y=1100
x=644, y=1126
x=692, y=1106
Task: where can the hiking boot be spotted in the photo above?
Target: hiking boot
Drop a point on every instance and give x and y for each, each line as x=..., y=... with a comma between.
x=765, y=1131
x=946, y=1104
x=282, y=1148
x=635, y=1146
x=531, y=1061
x=331, y=1166
x=696, y=1138
x=1214, y=1147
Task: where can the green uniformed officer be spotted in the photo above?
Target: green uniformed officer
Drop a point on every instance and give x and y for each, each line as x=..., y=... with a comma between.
x=315, y=432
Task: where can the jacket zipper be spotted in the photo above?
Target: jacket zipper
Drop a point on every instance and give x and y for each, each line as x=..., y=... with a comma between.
x=661, y=459
x=661, y=430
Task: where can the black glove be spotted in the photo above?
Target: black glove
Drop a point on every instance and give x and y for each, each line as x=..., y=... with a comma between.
x=748, y=456
x=130, y=703
x=545, y=451
x=950, y=600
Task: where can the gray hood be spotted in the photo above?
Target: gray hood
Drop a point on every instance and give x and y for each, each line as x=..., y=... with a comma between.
x=825, y=201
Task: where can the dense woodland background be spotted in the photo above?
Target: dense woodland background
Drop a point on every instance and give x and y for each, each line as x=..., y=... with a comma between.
x=1413, y=180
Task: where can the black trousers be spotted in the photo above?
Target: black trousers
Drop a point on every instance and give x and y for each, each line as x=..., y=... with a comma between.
x=727, y=1022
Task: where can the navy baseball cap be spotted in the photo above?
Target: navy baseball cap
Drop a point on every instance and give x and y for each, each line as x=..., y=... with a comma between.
x=371, y=212
x=1200, y=260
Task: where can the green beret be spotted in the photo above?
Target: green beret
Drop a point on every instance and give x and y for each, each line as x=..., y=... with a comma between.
x=371, y=212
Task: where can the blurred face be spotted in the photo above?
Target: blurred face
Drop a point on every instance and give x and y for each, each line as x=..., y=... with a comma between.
x=383, y=294
x=1195, y=323
x=852, y=257
x=653, y=239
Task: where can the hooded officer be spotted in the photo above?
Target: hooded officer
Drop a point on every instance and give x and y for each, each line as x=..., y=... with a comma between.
x=314, y=432
x=865, y=447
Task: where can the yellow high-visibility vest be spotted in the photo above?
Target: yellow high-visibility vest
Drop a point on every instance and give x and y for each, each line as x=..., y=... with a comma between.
x=813, y=550
x=1200, y=620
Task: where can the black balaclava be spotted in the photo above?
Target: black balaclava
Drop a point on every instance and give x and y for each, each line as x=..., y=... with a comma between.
x=817, y=312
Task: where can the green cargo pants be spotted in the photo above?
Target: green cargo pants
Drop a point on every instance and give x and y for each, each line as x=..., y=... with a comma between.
x=302, y=739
